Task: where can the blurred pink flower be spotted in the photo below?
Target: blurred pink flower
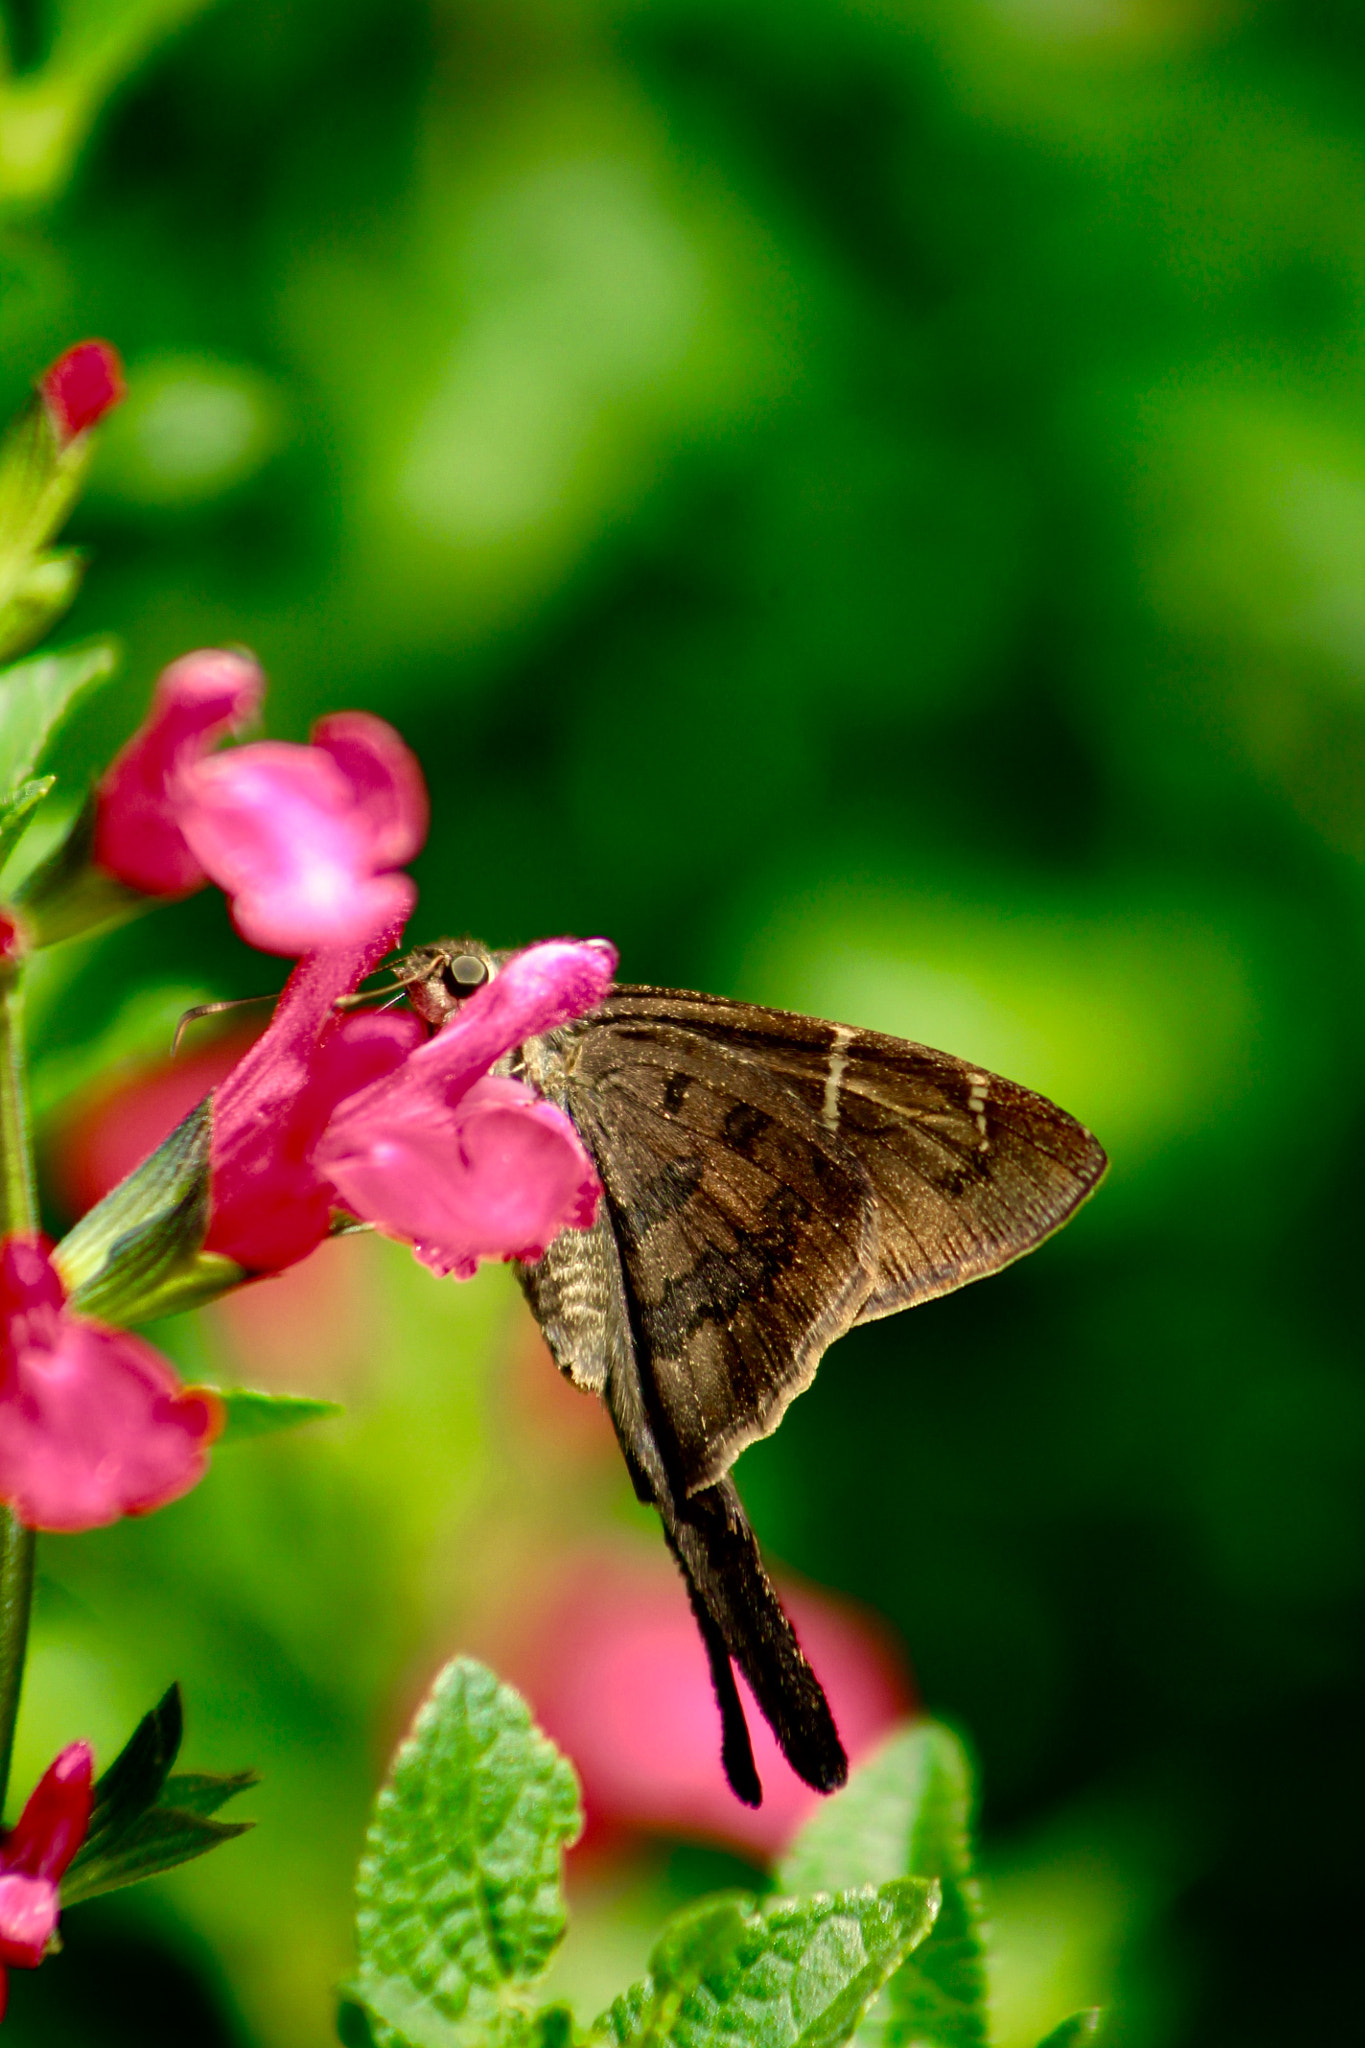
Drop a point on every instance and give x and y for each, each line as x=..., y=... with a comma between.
x=93, y=1423
x=466, y=1167
x=306, y=841
x=138, y=837
x=34, y=1857
x=269, y=1202
x=80, y=387
x=619, y=1679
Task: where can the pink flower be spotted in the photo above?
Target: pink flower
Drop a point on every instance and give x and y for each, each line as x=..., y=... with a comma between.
x=138, y=836
x=610, y=1657
x=463, y=1164
x=80, y=387
x=306, y=840
x=34, y=1857
x=269, y=1203
x=93, y=1423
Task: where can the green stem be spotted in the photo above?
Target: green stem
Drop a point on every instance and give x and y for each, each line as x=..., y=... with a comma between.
x=18, y=1211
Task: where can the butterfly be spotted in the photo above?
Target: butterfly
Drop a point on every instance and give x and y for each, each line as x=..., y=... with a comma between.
x=769, y=1181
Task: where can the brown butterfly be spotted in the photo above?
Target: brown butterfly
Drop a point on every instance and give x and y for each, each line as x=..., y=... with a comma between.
x=769, y=1181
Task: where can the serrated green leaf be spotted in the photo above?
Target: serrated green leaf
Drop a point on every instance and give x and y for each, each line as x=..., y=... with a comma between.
x=788, y=1974
x=1074, y=2032
x=157, y=1841
x=251, y=1414
x=139, y=1253
x=459, y=1901
x=907, y=1812
x=36, y=695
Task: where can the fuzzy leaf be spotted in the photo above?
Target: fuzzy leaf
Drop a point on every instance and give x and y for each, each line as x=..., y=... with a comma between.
x=143, y=1820
x=1076, y=2031
x=789, y=1974
x=907, y=1812
x=35, y=697
x=459, y=1893
x=251, y=1414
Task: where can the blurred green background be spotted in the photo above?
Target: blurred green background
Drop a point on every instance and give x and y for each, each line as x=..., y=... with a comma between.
x=864, y=502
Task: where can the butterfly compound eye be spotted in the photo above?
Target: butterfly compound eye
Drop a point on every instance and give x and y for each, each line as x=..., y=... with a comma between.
x=464, y=974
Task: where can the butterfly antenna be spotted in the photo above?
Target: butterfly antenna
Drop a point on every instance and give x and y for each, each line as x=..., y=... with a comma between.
x=213, y=1010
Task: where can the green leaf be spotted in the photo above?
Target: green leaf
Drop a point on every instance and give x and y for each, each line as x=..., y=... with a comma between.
x=159, y=1840
x=143, y=1820
x=17, y=809
x=36, y=695
x=459, y=1901
x=139, y=1253
x=791, y=1974
x=251, y=1414
x=906, y=1812
x=1073, y=2033
x=353, y=2025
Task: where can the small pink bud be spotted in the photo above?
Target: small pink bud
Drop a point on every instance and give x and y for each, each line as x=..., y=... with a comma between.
x=80, y=388
x=35, y=1854
x=14, y=942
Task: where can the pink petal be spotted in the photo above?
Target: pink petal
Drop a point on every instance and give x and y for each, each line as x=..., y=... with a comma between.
x=269, y=1205
x=97, y=1426
x=281, y=830
x=56, y=1815
x=137, y=831
x=28, y=1919
x=80, y=387
x=536, y=990
x=386, y=782
x=497, y=1176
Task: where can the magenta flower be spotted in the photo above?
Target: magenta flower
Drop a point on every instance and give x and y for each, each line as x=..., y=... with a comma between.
x=80, y=387
x=306, y=840
x=463, y=1164
x=269, y=1203
x=138, y=836
x=93, y=1423
x=34, y=1857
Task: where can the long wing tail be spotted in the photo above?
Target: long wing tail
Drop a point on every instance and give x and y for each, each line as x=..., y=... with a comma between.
x=741, y=1618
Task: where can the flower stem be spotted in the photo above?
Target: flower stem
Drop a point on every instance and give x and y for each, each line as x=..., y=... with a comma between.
x=18, y=1212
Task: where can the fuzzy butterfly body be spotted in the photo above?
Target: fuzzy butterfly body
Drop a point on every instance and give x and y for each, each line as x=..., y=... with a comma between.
x=769, y=1181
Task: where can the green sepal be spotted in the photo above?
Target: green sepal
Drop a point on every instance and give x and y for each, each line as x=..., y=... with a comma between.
x=37, y=694
x=67, y=895
x=251, y=1414
x=907, y=1811
x=41, y=598
x=143, y=1820
x=17, y=809
x=40, y=480
x=1076, y=2031
x=795, y=1973
x=139, y=1253
x=459, y=1901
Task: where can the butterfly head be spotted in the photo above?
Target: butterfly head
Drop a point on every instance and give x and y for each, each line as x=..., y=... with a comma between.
x=440, y=978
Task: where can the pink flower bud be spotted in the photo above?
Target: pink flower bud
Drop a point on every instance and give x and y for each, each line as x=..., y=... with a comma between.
x=305, y=840
x=35, y=1854
x=138, y=838
x=467, y=1168
x=94, y=1424
x=80, y=387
